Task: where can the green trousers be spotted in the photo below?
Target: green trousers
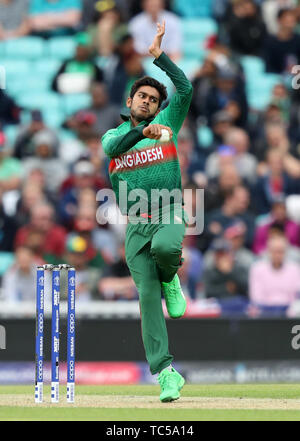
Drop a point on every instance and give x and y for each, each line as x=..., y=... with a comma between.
x=153, y=254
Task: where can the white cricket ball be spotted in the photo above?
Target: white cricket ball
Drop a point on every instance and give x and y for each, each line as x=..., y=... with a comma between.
x=165, y=135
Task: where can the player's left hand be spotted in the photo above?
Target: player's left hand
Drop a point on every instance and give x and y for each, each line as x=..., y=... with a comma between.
x=155, y=49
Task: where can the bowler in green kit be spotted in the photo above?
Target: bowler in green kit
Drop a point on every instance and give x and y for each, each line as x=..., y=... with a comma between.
x=154, y=245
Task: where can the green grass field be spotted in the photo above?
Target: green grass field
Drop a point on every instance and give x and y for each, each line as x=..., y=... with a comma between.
x=269, y=402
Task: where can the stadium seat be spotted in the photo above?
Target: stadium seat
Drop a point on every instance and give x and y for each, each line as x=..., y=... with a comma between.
x=259, y=90
x=11, y=131
x=30, y=83
x=193, y=8
x=54, y=118
x=195, y=33
x=6, y=260
x=42, y=101
x=159, y=75
x=190, y=65
x=198, y=28
x=15, y=67
x=73, y=103
x=25, y=47
x=47, y=67
x=252, y=66
x=61, y=47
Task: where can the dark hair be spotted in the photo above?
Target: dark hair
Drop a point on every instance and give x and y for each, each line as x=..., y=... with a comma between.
x=282, y=12
x=152, y=82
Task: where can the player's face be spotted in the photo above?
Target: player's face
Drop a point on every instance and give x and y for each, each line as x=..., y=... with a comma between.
x=144, y=104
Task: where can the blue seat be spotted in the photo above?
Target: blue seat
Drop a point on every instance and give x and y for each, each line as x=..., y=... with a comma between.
x=61, y=47
x=42, y=100
x=54, y=118
x=158, y=74
x=47, y=66
x=193, y=49
x=74, y=102
x=198, y=28
x=259, y=90
x=32, y=83
x=11, y=131
x=193, y=8
x=6, y=260
x=252, y=66
x=190, y=65
x=15, y=67
x=25, y=47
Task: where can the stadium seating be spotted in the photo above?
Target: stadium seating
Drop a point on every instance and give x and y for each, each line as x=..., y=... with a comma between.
x=74, y=102
x=195, y=33
x=193, y=8
x=26, y=47
x=61, y=47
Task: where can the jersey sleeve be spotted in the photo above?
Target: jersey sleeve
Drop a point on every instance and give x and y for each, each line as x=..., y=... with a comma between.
x=174, y=114
x=115, y=144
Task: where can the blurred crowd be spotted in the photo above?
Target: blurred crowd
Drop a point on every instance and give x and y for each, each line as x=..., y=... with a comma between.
x=246, y=159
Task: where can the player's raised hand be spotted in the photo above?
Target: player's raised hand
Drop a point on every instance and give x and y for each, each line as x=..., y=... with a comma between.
x=155, y=49
x=154, y=131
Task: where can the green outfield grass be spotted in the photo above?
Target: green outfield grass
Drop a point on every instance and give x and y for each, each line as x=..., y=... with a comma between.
x=17, y=403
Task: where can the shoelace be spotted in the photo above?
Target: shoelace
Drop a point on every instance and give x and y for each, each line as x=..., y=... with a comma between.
x=168, y=381
x=172, y=294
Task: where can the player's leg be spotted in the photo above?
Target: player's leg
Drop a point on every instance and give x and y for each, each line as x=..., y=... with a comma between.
x=145, y=276
x=166, y=249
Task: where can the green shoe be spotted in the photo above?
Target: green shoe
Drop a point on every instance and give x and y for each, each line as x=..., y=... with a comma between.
x=171, y=382
x=175, y=300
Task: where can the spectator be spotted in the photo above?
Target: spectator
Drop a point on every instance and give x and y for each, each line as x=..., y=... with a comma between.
x=226, y=279
x=86, y=277
x=110, y=23
x=50, y=18
x=9, y=111
x=274, y=182
x=274, y=282
x=30, y=195
x=279, y=218
x=8, y=228
x=83, y=177
x=116, y=282
x=245, y=27
x=102, y=242
x=235, y=207
x=217, y=188
x=24, y=146
x=102, y=114
x=235, y=235
x=77, y=74
x=282, y=51
x=244, y=161
x=45, y=160
x=191, y=272
x=14, y=21
x=227, y=90
x=143, y=28
x=10, y=168
x=19, y=281
x=42, y=228
x=221, y=122
x=122, y=70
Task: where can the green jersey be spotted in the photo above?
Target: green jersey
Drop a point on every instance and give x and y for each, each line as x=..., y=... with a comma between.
x=144, y=163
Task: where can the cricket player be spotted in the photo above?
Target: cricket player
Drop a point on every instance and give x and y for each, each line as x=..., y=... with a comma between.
x=153, y=246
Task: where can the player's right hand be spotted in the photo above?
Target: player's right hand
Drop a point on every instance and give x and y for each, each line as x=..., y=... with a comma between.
x=153, y=131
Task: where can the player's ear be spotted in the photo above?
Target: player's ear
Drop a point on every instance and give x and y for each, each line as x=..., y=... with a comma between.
x=129, y=102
